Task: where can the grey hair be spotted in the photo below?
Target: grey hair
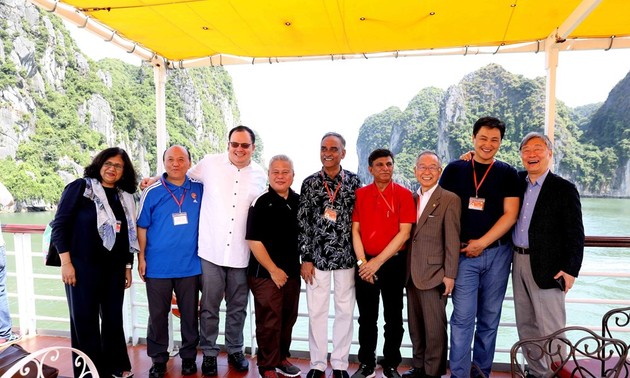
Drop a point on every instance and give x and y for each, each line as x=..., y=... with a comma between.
x=429, y=152
x=336, y=135
x=533, y=135
x=281, y=158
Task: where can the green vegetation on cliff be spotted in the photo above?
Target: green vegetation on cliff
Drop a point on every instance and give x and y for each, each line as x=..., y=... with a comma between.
x=78, y=106
x=591, y=142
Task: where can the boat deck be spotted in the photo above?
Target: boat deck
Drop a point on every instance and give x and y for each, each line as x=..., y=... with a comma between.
x=142, y=363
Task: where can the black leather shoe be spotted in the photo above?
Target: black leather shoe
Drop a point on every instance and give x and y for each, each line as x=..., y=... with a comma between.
x=414, y=372
x=390, y=372
x=189, y=366
x=158, y=370
x=314, y=373
x=209, y=366
x=238, y=361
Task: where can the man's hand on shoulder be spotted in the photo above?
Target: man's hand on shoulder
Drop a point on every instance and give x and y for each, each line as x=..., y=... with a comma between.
x=467, y=156
x=147, y=181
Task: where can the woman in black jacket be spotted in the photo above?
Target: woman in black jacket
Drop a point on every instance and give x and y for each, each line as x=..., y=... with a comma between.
x=94, y=231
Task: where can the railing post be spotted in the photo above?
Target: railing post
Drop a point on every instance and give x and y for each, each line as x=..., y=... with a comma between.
x=25, y=283
x=253, y=343
x=131, y=321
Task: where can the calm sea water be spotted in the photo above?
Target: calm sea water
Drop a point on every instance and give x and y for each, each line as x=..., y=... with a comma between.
x=602, y=217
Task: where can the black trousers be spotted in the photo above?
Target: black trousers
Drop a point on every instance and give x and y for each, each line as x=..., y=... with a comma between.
x=159, y=295
x=96, y=320
x=389, y=286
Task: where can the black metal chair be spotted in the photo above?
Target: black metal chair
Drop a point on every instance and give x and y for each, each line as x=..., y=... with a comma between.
x=570, y=352
x=617, y=318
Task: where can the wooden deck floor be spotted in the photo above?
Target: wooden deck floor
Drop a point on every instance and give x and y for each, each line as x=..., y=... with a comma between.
x=142, y=363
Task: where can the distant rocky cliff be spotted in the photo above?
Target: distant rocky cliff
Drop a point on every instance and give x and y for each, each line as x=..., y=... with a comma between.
x=57, y=107
x=592, y=143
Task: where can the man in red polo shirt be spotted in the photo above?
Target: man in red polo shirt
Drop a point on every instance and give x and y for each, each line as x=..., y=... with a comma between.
x=381, y=223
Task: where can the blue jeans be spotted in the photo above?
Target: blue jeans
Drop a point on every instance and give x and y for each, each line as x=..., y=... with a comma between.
x=479, y=291
x=5, y=317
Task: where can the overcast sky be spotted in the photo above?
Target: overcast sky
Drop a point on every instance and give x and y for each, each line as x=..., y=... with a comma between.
x=291, y=105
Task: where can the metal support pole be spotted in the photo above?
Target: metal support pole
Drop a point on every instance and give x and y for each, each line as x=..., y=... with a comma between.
x=551, y=65
x=159, y=76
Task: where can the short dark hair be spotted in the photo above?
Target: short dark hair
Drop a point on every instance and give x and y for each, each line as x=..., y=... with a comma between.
x=177, y=145
x=336, y=135
x=243, y=128
x=490, y=122
x=127, y=182
x=379, y=153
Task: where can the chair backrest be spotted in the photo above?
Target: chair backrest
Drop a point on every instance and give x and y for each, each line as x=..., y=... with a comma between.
x=617, y=318
x=34, y=364
x=568, y=352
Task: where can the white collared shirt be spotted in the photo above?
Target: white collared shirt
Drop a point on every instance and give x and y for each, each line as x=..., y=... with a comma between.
x=423, y=199
x=227, y=195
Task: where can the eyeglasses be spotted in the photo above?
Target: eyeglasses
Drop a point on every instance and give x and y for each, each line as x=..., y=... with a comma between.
x=432, y=168
x=236, y=144
x=116, y=166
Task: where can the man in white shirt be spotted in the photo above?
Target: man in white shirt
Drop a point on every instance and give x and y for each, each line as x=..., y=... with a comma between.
x=6, y=334
x=231, y=182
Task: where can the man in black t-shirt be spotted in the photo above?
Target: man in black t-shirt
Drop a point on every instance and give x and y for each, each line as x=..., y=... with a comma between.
x=489, y=192
x=273, y=273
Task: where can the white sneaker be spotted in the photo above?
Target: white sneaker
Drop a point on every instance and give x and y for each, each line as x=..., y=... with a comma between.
x=9, y=340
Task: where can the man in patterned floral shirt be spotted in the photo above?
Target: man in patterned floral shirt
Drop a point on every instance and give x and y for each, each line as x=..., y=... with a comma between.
x=325, y=241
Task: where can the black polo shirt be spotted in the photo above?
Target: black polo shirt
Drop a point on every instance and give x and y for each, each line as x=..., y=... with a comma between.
x=501, y=182
x=272, y=220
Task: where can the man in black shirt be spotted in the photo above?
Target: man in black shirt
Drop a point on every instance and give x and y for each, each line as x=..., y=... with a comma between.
x=274, y=272
x=489, y=192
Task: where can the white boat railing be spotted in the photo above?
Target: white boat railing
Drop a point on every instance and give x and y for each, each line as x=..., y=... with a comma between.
x=41, y=303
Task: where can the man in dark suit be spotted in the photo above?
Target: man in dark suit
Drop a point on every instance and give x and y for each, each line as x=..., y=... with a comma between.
x=432, y=264
x=548, y=245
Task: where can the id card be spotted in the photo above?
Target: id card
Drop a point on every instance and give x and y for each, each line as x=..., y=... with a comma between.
x=330, y=214
x=180, y=219
x=476, y=203
x=118, y=225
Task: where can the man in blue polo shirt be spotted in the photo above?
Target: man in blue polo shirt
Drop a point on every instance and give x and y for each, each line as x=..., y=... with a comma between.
x=168, y=223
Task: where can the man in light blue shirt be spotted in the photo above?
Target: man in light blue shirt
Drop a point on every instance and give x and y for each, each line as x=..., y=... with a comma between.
x=548, y=246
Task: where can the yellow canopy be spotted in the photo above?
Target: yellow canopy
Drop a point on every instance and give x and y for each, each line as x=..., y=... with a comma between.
x=187, y=30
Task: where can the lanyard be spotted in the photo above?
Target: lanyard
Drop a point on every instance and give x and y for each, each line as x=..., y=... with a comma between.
x=332, y=196
x=391, y=207
x=477, y=186
x=181, y=200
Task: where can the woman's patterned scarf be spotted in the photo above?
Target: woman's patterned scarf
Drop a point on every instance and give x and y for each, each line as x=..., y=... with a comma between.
x=105, y=218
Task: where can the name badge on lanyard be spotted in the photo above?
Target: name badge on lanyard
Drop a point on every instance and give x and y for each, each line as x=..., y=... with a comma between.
x=475, y=203
x=118, y=225
x=330, y=214
x=180, y=219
